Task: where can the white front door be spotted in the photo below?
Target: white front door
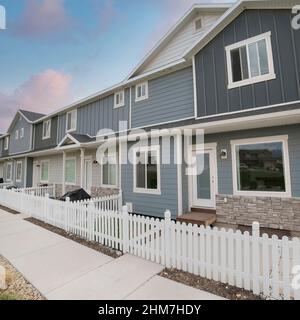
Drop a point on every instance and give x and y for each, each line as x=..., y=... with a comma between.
x=88, y=175
x=204, y=180
x=36, y=174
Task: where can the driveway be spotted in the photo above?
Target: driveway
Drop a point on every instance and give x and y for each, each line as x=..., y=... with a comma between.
x=62, y=269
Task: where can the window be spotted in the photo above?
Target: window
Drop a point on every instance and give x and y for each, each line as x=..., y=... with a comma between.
x=45, y=171
x=119, y=99
x=9, y=171
x=109, y=169
x=70, y=171
x=261, y=167
x=250, y=61
x=6, y=142
x=141, y=91
x=71, y=120
x=17, y=134
x=147, y=170
x=19, y=171
x=22, y=133
x=47, y=129
x=198, y=24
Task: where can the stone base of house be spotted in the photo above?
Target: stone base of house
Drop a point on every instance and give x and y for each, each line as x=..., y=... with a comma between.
x=275, y=213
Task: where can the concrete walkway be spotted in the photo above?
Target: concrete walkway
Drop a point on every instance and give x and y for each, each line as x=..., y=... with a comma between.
x=62, y=269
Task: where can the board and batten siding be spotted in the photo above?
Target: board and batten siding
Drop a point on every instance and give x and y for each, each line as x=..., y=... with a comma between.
x=97, y=115
x=39, y=142
x=213, y=95
x=171, y=98
x=150, y=204
x=21, y=144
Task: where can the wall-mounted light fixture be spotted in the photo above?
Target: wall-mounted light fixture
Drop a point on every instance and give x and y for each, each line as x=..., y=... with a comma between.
x=224, y=154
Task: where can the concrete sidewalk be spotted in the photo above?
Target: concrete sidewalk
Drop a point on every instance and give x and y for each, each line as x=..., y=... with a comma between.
x=63, y=269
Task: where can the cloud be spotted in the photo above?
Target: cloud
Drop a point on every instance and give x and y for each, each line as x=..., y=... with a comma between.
x=41, y=93
x=42, y=17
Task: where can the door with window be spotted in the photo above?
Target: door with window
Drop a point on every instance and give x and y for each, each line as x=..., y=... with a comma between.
x=204, y=178
x=88, y=175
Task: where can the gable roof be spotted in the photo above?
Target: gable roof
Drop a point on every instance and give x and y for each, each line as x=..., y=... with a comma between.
x=31, y=116
x=197, y=8
x=75, y=139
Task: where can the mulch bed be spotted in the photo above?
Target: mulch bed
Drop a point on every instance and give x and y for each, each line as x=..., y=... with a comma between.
x=9, y=210
x=18, y=287
x=211, y=286
x=90, y=244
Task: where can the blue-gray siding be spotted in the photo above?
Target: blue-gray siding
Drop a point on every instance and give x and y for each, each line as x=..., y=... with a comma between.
x=96, y=116
x=211, y=72
x=171, y=98
x=154, y=205
x=39, y=142
x=22, y=144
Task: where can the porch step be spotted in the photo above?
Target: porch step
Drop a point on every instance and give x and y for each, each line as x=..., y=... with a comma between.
x=204, y=210
x=205, y=218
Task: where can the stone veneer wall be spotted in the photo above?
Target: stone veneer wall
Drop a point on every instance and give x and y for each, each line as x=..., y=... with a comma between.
x=276, y=213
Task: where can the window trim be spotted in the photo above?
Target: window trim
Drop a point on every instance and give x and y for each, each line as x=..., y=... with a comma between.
x=6, y=143
x=103, y=185
x=286, y=165
x=70, y=112
x=21, y=133
x=11, y=169
x=137, y=99
x=21, y=172
x=146, y=190
x=65, y=168
x=122, y=104
x=49, y=134
x=48, y=162
x=270, y=76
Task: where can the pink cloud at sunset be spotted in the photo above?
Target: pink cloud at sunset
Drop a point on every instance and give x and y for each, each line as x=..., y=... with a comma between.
x=42, y=18
x=41, y=93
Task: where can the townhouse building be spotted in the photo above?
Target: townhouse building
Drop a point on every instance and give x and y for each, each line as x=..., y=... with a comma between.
x=232, y=71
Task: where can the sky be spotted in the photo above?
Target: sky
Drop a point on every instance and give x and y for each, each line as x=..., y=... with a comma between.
x=55, y=52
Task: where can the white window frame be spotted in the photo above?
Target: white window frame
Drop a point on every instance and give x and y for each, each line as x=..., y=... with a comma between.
x=146, y=190
x=117, y=173
x=270, y=76
x=122, y=103
x=65, y=168
x=41, y=164
x=6, y=143
x=21, y=133
x=9, y=164
x=146, y=96
x=48, y=135
x=17, y=134
x=21, y=171
x=75, y=120
x=286, y=165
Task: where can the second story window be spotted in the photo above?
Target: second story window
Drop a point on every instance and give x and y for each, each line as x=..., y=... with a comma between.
x=71, y=121
x=47, y=129
x=141, y=91
x=250, y=61
x=6, y=143
x=119, y=99
x=21, y=133
x=17, y=134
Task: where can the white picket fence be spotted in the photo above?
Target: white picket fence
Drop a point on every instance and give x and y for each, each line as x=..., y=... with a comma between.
x=4, y=185
x=250, y=261
x=110, y=202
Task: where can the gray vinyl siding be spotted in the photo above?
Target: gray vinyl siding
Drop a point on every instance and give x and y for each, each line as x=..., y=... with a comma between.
x=22, y=144
x=96, y=116
x=213, y=95
x=13, y=180
x=39, y=143
x=171, y=98
x=225, y=181
x=148, y=204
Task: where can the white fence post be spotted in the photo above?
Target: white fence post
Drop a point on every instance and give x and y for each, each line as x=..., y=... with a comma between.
x=255, y=258
x=22, y=201
x=120, y=200
x=125, y=233
x=90, y=220
x=46, y=203
x=167, y=242
x=67, y=218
